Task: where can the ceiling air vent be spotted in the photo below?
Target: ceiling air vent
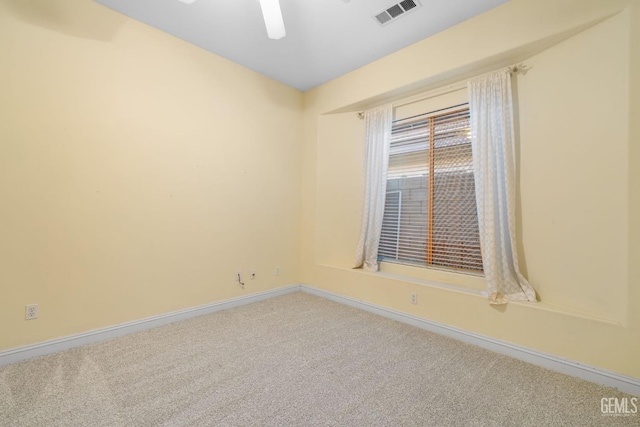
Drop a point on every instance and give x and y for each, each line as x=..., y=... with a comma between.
x=397, y=10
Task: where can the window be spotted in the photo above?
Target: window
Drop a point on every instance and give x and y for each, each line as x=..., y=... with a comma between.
x=430, y=216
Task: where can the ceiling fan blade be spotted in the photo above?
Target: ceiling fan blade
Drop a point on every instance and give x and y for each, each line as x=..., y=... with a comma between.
x=273, y=19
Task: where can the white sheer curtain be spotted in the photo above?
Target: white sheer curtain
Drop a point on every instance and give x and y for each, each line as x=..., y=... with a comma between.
x=377, y=140
x=492, y=134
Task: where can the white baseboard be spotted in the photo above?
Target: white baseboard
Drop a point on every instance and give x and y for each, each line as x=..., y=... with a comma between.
x=569, y=367
x=53, y=346
x=610, y=379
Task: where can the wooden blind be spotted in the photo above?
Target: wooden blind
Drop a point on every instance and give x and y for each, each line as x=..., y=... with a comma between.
x=430, y=216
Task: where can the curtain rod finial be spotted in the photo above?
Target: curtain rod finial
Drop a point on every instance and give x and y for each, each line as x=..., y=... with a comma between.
x=519, y=68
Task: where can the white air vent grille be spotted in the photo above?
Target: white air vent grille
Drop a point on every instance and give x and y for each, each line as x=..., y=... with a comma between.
x=397, y=10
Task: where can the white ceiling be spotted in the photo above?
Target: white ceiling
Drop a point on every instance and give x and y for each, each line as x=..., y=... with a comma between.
x=325, y=38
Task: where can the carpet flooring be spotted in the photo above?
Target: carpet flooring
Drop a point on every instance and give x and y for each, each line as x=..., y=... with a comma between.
x=294, y=360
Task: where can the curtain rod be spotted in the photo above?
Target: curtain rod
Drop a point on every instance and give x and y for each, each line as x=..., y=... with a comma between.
x=513, y=69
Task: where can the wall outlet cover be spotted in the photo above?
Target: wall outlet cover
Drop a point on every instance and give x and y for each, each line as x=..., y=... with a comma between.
x=31, y=311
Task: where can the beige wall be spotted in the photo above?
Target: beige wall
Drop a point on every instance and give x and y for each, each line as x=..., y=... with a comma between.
x=573, y=110
x=634, y=170
x=137, y=172
x=575, y=155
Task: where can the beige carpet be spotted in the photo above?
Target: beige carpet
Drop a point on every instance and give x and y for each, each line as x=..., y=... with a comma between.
x=295, y=360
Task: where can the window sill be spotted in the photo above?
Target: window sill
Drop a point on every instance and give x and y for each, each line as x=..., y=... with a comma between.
x=475, y=285
x=434, y=276
x=467, y=290
x=432, y=283
x=468, y=284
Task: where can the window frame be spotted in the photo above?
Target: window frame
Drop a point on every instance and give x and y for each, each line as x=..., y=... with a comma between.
x=431, y=116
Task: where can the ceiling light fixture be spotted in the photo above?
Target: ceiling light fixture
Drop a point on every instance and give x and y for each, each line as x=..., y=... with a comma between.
x=273, y=19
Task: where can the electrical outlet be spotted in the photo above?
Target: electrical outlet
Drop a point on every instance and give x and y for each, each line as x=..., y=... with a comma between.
x=253, y=274
x=414, y=298
x=277, y=271
x=31, y=311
